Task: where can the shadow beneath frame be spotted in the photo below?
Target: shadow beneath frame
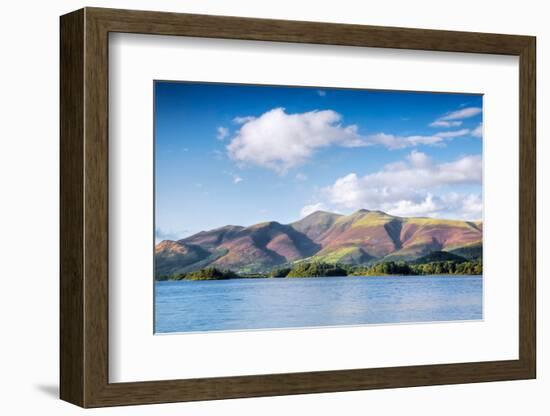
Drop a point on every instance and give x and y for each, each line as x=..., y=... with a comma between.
x=51, y=390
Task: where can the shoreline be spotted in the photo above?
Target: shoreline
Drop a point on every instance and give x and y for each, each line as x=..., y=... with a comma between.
x=319, y=269
x=450, y=275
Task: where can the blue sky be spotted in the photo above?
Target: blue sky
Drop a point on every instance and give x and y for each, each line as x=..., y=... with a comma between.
x=243, y=154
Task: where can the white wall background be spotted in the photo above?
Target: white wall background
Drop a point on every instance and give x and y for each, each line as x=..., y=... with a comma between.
x=29, y=208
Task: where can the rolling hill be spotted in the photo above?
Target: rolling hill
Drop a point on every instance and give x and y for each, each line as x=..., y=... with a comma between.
x=360, y=238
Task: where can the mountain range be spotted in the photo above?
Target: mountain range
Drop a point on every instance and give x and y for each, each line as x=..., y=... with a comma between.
x=360, y=238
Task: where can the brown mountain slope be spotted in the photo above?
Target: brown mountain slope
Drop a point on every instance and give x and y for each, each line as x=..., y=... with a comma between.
x=174, y=256
x=250, y=249
x=419, y=236
x=316, y=224
x=214, y=238
x=265, y=245
x=358, y=238
x=375, y=232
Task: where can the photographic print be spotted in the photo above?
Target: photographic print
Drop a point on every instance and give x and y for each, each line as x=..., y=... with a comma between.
x=296, y=207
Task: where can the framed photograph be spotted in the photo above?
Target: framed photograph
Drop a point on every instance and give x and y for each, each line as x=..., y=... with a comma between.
x=255, y=207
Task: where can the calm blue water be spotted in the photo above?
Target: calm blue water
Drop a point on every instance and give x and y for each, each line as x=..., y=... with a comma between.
x=242, y=304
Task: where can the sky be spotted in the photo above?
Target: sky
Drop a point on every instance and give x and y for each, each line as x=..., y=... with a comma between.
x=243, y=154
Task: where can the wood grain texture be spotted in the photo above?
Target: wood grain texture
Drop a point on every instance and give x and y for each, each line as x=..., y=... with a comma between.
x=71, y=158
x=527, y=207
x=96, y=208
x=84, y=207
x=162, y=23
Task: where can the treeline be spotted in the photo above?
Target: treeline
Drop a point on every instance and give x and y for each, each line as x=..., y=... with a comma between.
x=320, y=269
x=209, y=273
x=315, y=269
x=449, y=267
x=384, y=268
x=474, y=267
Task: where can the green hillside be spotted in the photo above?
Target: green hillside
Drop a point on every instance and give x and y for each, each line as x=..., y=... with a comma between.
x=361, y=238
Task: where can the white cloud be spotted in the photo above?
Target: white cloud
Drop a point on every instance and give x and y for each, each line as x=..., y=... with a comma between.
x=407, y=208
x=419, y=160
x=400, y=142
x=467, y=206
x=443, y=123
x=461, y=114
x=452, y=206
x=237, y=179
x=280, y=141
x=453, y=118
x=453, y=134
x=415, y=186
x=310, y=209
x=222, y=133
x=301, y=177
x=478, y=131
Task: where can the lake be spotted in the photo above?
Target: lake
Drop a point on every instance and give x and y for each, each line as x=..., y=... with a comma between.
x=242, y=304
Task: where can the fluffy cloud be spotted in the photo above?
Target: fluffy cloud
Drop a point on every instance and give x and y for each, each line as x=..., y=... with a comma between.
x=222, y=133
x=415, y=186
x=279, y=141
x=453, y=118
x=467, y=206
x=237, y=179
x=410, y=208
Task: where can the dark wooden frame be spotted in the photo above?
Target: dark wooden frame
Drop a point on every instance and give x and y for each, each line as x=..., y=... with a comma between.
x=84, y=207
